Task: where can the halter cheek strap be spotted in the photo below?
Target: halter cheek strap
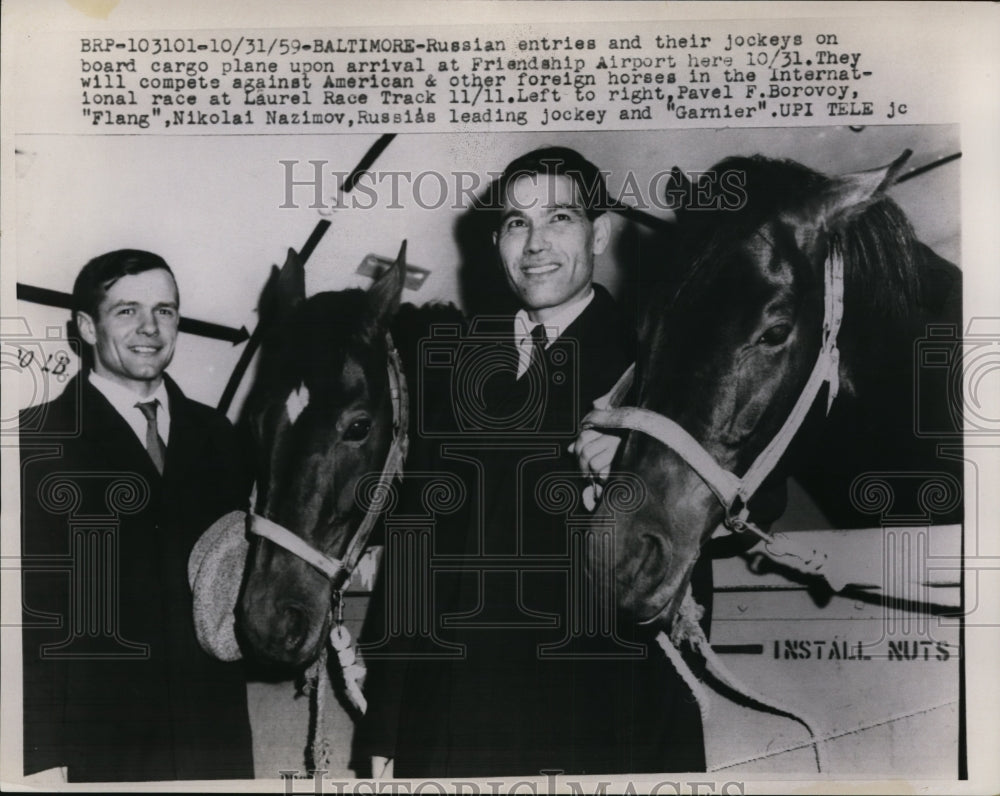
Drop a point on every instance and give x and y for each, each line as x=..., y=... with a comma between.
x=825, y=371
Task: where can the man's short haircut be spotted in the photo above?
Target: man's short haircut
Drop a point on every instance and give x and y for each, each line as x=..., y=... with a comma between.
x=558, y=161
x=98, y=276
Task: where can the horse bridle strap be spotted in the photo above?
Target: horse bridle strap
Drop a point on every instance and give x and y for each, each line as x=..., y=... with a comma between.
x=339, y=570
x=262, y=526
x=394, y=460
x=723, y=483
x=734, y=493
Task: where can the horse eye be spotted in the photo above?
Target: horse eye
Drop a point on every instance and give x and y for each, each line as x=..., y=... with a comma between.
x=776, y=335
x=358, y=430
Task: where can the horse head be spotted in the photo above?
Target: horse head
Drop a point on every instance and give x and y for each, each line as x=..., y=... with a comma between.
x=728, y=344
x=321, y=415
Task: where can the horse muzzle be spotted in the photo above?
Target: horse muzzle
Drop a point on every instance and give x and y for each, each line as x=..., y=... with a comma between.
x=237, y=614
x=283, y=615
x=287, y=633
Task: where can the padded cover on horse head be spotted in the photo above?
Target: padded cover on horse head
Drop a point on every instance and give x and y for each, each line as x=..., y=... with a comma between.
x=215, y=573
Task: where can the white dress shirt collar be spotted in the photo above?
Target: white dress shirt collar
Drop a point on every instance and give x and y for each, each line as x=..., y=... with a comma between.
x=554, y=327
x=124, y=401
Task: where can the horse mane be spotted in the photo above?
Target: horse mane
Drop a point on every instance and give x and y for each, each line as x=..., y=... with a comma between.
x=882, y=256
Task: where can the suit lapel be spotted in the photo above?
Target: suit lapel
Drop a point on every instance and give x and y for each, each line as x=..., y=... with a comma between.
x=586, y=322
x=605, y=347
x=184, y=441
x=106, y=431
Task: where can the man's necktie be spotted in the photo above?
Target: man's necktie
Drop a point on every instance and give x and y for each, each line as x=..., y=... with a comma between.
x=154, y=444
x=538, y=340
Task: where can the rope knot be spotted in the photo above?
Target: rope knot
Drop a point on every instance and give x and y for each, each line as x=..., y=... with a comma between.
x=686, y=624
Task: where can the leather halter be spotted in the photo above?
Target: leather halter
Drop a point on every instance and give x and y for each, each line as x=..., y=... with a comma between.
x=733, y=492
x=338, y=570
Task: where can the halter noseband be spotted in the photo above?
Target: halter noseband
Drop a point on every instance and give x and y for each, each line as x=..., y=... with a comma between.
x=338, y=570
x=733, y=492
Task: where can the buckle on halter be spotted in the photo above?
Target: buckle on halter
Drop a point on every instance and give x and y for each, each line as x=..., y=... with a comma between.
x=735, y=524
x=737, y=514
x=337, y=606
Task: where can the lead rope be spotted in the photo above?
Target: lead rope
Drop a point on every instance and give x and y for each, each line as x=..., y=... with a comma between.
x=318, y=677
x=686, y=628
x=320, y=747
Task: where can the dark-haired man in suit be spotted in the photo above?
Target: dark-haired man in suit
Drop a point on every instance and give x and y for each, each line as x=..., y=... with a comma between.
x=517, y=700
x=120, y=474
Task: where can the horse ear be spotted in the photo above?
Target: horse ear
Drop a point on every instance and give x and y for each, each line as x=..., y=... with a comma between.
x=847, y=196
x=386, y=292
x=677, y=190
x=285, y=288
x=291, y=281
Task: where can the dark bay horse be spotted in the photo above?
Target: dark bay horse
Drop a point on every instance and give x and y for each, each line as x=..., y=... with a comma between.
x=321, y=412
x=728, y=345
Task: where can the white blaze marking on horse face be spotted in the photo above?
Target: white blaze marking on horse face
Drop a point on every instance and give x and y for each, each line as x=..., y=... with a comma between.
x=298, y=400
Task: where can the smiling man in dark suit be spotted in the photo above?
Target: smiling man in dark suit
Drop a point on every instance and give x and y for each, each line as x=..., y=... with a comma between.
x=543, y=683
x=120, y=475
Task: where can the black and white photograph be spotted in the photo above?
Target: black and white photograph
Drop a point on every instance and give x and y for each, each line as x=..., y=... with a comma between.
x=597, y=405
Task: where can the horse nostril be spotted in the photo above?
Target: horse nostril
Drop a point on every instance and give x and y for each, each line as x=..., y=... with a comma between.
x=653, y=561
x=293, y=620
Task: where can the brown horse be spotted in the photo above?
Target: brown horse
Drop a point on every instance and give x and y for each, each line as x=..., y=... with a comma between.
x=321, y=416
x=729, y=343
x=324, y=413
